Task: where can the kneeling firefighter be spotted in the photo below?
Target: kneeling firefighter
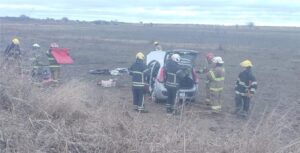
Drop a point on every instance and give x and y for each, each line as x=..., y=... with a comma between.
x=215, y=82
x=139, y=71
x=172, y=81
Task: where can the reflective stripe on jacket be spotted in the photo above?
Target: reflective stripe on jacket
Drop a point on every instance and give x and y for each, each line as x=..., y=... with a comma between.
x=216, y=79
x=140, y=80
x=171, y=75
x=171, y=80
x=138, y=71
x=246, y=83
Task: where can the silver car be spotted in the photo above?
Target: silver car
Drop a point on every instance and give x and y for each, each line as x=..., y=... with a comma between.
x=156, y=61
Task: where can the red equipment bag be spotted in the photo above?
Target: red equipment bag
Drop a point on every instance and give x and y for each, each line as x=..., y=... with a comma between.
x=61, y=55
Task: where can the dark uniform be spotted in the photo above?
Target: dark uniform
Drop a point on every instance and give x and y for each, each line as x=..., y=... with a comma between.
x=171, y=83
x=53, y=66
x=246, y=86
x=13, y=56
x=138, y=71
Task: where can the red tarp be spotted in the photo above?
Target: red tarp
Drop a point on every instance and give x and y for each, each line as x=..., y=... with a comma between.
x=61, y=55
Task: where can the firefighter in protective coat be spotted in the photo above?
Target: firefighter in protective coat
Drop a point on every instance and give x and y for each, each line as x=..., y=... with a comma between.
x=139, y=72
x=245, y=87
x=215, y=83
x=13, y=56
x=40, y=63
x=172, y=81
x=208, y=65
x=53, y=65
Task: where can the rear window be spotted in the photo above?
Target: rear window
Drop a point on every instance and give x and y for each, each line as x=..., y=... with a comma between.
x=187, y=59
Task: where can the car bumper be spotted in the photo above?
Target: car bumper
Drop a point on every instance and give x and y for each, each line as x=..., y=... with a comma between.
x=161, y=92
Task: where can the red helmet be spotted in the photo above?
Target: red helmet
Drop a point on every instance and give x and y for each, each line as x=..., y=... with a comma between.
x=209, y=56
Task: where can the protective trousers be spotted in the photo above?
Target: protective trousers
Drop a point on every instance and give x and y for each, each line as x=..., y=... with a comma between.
x=207, y=93
x=216, y=100
x=55, y=73
x=171, y=92
x=13, y=63
x=242, y=103
x=138, y=98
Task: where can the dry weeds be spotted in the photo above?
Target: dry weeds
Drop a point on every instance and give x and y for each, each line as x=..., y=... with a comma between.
x=73, y=117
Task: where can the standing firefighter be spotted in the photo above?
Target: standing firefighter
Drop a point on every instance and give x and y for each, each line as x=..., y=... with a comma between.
x=157, y=46
x=215, y=84
x=172, y=81
x=40, y=71
x=139, y=71
x=246, y=86
x=207, y=66
x=12, y=55
x=53, y=65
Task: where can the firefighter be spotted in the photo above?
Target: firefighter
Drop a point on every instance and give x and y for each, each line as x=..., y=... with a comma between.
x=53, y=65
x=157, y=46
x=12, y=55
x=139, y=71
x=246, y=86
x=207, y=66
x=215, y=83
x=172, y=81
x=40, y=71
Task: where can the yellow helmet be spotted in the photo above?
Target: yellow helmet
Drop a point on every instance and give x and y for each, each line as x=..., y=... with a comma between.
x=246, y=63
x=16, y=41
x=140, y=56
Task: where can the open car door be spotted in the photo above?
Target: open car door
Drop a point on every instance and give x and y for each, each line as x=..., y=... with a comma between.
x=62, y=55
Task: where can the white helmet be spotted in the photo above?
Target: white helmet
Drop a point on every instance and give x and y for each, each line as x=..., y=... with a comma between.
x=218, y=59
x=36, y=45
x=175, y=57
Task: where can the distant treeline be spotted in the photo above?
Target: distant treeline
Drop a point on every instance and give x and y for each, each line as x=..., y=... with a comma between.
x=25, y=18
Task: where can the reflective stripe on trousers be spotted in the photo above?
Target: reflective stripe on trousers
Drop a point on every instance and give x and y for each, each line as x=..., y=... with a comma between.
x=54, y=66
x=216, y=89
x=217, y=107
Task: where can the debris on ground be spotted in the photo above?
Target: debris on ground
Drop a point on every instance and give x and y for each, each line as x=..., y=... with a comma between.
x=119, y=71
x=107, y=83
x=114, y=72
x=100, y=71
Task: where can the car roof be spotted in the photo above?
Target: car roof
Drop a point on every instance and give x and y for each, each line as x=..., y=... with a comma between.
x=161, y=54
x=156, y=56
x=183, y=51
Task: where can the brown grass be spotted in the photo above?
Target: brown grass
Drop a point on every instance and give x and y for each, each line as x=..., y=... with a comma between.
x=72, y=117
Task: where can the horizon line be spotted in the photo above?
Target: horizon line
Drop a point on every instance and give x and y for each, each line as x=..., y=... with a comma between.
x=250, y=23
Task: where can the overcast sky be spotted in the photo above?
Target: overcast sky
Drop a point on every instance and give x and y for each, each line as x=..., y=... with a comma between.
x=227, y=12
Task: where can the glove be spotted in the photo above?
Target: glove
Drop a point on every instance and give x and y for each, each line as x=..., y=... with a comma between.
x=146, y=88
x=249, y=95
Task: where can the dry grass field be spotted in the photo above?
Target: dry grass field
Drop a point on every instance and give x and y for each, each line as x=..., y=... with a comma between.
x=79, y=116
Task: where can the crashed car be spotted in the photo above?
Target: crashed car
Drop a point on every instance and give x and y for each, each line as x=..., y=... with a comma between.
x=156, y=61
